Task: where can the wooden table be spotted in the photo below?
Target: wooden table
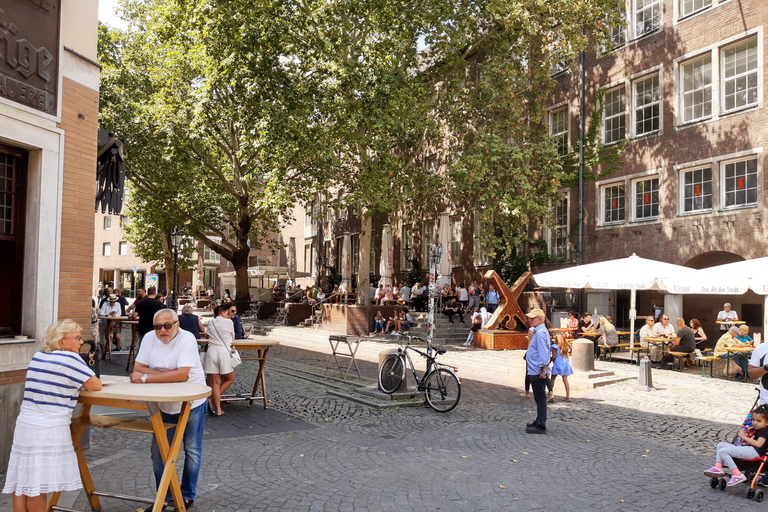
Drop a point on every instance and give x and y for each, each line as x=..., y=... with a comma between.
x=111, y=320
x=261, y=348
x=143, y=397
x=730, y=322
x=134, y=348
x=746, y=349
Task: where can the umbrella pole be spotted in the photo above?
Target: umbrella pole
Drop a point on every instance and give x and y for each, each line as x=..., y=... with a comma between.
x=632, y=315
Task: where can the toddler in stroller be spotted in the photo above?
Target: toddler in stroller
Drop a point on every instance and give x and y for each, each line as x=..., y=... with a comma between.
x=749, y=449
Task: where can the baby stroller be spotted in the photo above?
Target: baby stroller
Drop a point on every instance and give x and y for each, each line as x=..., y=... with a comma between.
x=751, y=468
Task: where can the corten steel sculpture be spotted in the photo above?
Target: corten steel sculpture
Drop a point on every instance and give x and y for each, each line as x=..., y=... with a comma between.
x=508, y=308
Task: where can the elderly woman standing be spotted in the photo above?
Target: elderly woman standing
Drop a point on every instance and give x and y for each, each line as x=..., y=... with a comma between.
x=218, y=362
x=42, y=458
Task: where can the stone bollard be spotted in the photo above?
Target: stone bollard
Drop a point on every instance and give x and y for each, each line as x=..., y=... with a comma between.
x=645, y=382
x=583, y=355
x=386, y=353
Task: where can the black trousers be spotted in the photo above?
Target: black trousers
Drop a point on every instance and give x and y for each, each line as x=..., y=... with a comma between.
x=539, y=386
x=528, y=379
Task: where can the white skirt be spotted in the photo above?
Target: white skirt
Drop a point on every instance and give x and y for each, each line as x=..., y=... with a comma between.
x=42, y=460
x=218, y=360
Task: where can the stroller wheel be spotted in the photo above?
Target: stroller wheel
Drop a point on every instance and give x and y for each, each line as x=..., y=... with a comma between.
x=750, y=494
x=759, y=496
x=722, y=483
x=713, y=483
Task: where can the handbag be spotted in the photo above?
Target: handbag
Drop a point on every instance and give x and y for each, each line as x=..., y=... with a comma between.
x=88, y=354
x=203, y=355
x=731, y=368
x=235, y=355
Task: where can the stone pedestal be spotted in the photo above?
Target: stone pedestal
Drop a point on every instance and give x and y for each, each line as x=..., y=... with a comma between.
x=404, y=384
x=583, y=355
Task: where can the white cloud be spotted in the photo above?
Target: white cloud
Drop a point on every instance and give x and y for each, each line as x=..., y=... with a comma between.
x=107, y=13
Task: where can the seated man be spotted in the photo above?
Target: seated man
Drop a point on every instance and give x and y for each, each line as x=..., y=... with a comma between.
x=418, y=297
x=453, y=308
x=405, y=293
x=407, y=321
x=169, y=354
x=687, y=342
x=729, y=340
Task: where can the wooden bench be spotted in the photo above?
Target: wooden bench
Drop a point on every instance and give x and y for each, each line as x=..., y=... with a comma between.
x=337, y=341
x=706, y=361
x=679, y=357
x=606, y=350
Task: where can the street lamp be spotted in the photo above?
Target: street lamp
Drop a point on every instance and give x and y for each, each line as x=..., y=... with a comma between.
x=176, y=239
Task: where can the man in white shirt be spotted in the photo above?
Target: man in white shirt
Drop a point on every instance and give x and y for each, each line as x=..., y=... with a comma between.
x=168, y=354
x=726, y=314
x=419, y=300
x=405, y=293
x=372, y=293
x=110, y=308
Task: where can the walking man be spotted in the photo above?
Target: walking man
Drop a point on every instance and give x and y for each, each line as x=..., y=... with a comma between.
x=537, y=361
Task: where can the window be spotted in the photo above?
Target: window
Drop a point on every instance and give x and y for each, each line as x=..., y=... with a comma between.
x=618, y=36
x=455, y=242
x=480, y=253
x=697, y=88
x=615, y=122
x=123, y=220
x=309, y=259
x=558, y=236
x=647, y=16
x=8, y=183
x=697, y=190
x=647, y=199
x=107, y=223
x=209, y=255
x=355, y=254
x=406, y=240
x=427, y=239
x=106, y=249
x=558, y=129
x=740, y=183
x=123, y=248
x=690, y=6
x=740, y=75
x=613, y=204
x=647, y=103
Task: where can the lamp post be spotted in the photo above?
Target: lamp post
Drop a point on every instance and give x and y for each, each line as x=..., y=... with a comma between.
x=176, y=239
x=435, y=257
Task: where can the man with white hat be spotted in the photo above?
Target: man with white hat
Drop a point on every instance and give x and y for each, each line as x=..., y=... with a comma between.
x=725, y=315
x=110, y=308
x=537, y=361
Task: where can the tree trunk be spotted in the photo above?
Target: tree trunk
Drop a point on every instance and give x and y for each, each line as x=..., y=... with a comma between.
x=364, y=271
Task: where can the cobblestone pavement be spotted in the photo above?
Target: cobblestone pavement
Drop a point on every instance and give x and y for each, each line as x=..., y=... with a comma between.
x=613, y=448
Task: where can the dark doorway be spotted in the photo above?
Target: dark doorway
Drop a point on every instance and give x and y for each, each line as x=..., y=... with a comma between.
x=753, y=315
x=13, y=193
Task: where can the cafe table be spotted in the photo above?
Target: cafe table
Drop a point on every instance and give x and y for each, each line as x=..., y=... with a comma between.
x=730, y=322
x=736, y=349
x=120, y=393
x=259, y=349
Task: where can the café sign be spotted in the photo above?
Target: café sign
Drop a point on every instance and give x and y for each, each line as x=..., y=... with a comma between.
x=29, y=51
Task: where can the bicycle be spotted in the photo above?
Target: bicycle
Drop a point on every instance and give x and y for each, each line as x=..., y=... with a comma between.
x=440, y=384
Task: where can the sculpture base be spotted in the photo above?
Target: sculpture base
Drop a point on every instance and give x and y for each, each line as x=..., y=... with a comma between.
x=500, y=339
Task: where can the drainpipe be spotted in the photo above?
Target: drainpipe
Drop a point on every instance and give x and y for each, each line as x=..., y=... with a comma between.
x=580, y=249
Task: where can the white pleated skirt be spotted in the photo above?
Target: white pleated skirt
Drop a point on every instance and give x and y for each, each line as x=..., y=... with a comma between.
x=42, y=460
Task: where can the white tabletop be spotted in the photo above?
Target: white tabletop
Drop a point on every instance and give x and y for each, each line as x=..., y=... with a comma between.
x=119, y=387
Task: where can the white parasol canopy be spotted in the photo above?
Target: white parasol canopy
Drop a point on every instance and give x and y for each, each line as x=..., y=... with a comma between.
x=632, y=273
x=385, y=264
x=445, y=266
x=346, y=264
x=728, y=279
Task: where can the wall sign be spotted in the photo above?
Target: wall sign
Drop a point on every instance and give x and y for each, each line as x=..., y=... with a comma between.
x=29, y=52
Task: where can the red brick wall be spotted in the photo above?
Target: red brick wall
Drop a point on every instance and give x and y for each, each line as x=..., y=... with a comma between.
x=77, y=236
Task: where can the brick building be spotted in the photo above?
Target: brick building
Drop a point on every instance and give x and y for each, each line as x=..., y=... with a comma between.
x=49, y=83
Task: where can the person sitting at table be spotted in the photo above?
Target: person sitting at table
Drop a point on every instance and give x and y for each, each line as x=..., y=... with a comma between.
x=608, y=335
x=743, y=336
x=109, y=308
x=726, y=341
x=698, y=331
x=389, y=296
x=405, y=293
x=687, y=341
x=453, y=308
x=309, y=298
x=320, y=296
x=446, y=291
x=725, y=315
x=463, y=296
x=379, y=294
x=573, y=323
x=646, y=331
x=169, y=354
x=493, y=298
x=372, y=293
x=190, y=322
x=586, y=324
x=42, y=456
x=663, y=329
x=419, y=297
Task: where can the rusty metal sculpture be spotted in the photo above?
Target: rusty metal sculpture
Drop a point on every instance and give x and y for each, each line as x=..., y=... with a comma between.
x=508, y=308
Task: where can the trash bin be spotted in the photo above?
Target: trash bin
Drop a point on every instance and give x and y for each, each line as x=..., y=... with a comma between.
x=385, y=354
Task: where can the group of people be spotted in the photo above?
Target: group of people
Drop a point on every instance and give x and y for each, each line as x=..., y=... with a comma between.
x=400, y=321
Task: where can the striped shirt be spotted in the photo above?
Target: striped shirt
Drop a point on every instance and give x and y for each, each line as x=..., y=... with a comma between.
x=52, y=387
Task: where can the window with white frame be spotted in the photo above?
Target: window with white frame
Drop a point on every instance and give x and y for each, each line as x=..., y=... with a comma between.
x=613, y=204
x=309, y=259
x=558, y=235
x=107, y=223
x=739, y=82
x=740, y=183
x=646, y=199
x=209, y=255
x=406, y=240
x=558, y=129
x=123, y=248
x=614, y=115
x=647, y=105
x=455, y=241
x=696, y=78
x=480, y=253
x=697, y=190
x=691, y=6
x=618, y=35
x=647, y=14
x=106, y=249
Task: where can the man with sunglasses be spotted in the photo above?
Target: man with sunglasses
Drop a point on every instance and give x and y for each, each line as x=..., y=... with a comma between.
x=168, y=354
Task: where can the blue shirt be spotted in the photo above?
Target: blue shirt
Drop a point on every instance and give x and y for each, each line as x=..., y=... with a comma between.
x=493, y=297
x=539, y=354
x=239, y=334
x=744, y=339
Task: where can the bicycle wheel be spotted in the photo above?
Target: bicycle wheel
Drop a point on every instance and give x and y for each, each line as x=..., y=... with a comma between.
x=442, y=389
x=391, y=374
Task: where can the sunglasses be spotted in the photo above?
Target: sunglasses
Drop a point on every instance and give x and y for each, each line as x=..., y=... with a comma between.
x=78, y=338
x=167, y=326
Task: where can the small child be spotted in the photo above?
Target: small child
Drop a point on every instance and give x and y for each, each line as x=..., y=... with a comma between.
x=562, y=365
x=752, y=448
x=378, y=322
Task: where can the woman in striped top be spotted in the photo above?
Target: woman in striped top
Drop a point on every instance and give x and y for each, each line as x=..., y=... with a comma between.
x=42, y=457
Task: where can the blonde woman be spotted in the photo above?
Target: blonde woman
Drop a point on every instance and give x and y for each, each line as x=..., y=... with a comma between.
x=43, y=458
x=608, y=335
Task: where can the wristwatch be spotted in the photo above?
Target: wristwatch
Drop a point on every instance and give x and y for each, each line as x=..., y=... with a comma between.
x=765, y=367
x=144, y=378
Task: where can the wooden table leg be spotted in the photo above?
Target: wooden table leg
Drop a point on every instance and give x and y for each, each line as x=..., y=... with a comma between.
x=85, y=474
x=134, y=347
x=260, y=376
x=169, y=455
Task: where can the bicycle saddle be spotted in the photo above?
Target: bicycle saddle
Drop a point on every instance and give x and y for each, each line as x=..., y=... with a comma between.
x=440, y=351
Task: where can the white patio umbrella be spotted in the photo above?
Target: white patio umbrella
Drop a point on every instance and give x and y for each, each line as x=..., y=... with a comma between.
x=445, y=266
x=632, y=273
x=292, y=261
x=346, y=264
x=385, y=264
